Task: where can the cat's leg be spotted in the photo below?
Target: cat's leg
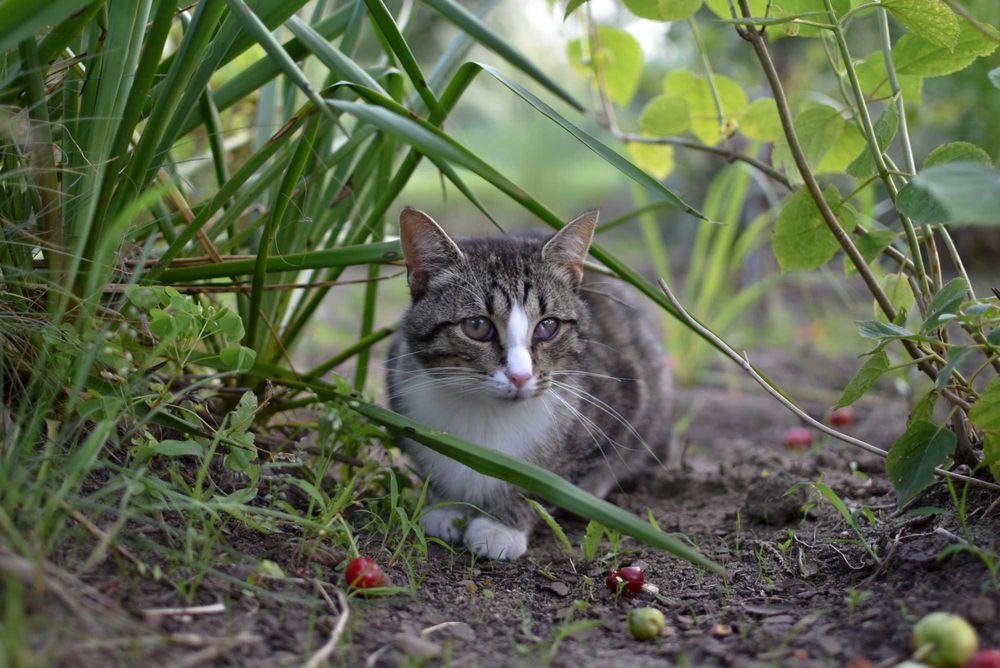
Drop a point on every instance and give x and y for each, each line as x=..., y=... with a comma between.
x=503, y=533
x=444, y=523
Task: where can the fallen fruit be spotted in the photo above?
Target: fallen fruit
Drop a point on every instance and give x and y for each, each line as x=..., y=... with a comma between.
x=944, y=640
x=628, y=579
x=363, y=573
x=843, y=417
x=645, y=623
x=987, y=658
x=798, y=438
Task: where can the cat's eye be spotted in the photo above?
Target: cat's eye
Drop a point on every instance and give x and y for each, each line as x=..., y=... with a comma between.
x=546, y=329
x=478, y=329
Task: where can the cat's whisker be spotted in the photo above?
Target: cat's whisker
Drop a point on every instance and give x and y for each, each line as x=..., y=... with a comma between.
x=583, y=420
x=589, y=374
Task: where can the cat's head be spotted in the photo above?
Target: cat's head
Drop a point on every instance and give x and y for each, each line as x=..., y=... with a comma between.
x=495, y=316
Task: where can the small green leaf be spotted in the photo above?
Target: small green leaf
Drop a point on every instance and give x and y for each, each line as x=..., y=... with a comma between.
x=913, y=458
x=991, y=454
x=572, y=6
x=993, y=338
x=701, y=105
x=619, y=59
x=924, y=408
x=864, y=379
x=801, y=238
x=844, y=151
x=957, y=151
x=231, y=326
x=796, y=7
x=174, y=448
x=721, y=8
x=821, y=130
x=915, y=55
x=663, y=10
x=870, y=245
x=932, y=20
x=162, y=324
x=657, y=159
x=985, y=413
x=875, y=81
x=917, y=204
x=968, y=192
x=955, y=356
x=665, y=116
x=592, y=540
x=885, y=130
x=873, y=329
x=238, y=358
x=761, y=121
x=554, y=526
x=900, y=295
x=945, y=305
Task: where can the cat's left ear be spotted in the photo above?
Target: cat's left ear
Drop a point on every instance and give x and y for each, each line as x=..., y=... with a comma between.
x=568, y=247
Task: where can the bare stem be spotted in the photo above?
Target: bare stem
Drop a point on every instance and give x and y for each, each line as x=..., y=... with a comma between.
x=744, y=362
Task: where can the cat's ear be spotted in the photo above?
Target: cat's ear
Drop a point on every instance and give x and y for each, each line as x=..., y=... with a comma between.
x=568, y=248
x=426, y=247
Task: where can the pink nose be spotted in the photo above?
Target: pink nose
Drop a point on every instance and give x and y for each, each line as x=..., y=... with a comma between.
x=519, y=379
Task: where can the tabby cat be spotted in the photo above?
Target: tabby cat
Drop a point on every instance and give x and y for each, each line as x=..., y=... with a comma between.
x=509, y=343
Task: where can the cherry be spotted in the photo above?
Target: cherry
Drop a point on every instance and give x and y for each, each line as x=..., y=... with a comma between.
x=631, y=579
x=988, y=658
x=798, y=438
x=842, y=417
x=363, y=573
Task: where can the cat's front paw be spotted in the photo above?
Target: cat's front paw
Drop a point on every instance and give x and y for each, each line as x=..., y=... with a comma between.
x=443, y=523
x=490, y=539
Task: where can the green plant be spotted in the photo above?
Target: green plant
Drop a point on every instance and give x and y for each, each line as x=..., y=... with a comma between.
x=898, y=248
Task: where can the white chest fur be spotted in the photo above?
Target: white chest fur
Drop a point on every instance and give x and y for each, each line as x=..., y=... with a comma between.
x=516, y=428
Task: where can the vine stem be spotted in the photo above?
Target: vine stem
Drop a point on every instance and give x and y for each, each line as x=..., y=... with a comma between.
x=869, y=129
x=756, y=40
x=744, y=362
x=709, y=73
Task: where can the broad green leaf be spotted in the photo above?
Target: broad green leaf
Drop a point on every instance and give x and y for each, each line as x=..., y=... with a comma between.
x=991, y=454
x=721, y=7
x=993, y=338
x=701, y=106
x=873, y=368
x=870, y=245
x=572, y=6
x=238, y=358
x=761, y=121
x=885, y=130
x=931, y=20
x=900, y=295
x=968, y=192
x=801, y=238
x=657, y=159
x=875, y=81
x=663, y=10
x=821, y=130
x=873, y=329
x=174, y=448
x=985, y=413
x=619, y=59
x=665, y=116
x=913, y=458
x=957, y=151
x=915, y=55
x=945, y=305
x=844, y=151
x=955, y=356
x=924, y=408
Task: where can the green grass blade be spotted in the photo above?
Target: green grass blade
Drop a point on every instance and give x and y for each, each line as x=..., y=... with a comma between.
x=21, y=19
x=469, y=23
x=344, y=256
x=635, y=213
x=387, y=26
x=339, y=65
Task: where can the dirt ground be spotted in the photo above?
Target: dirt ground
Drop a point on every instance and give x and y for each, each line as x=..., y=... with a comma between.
x=800, y=591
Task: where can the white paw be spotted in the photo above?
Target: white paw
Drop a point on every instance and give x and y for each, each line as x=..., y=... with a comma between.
x=494, y=540
x=441, y=523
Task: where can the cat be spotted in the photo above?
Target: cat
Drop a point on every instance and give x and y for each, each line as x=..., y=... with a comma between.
x=509, y=343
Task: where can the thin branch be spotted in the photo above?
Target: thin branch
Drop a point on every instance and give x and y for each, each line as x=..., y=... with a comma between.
x=744, y=362
x=729, y=154
x=323, y=653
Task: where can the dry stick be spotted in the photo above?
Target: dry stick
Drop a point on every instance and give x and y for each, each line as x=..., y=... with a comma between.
x=103, y=540
x=756, y=40
x=214, y=288
x=727, y=153
x=191, y=611
x=324, y=652
x=744, y=362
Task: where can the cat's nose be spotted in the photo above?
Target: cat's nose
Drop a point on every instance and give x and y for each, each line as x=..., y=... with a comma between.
x=519, y=379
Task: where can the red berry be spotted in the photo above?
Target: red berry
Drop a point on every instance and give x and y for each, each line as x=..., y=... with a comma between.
x=633, y=577
x=988, y=658
x=363, y=573
x=798, y=438
x=842, y=417
x=612, y=581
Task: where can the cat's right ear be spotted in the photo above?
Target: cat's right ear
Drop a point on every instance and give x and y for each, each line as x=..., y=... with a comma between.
x=426, y=248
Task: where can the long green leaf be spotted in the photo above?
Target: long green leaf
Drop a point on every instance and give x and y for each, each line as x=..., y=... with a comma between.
x=20, y=19
x=471, y=24
x=387, y=26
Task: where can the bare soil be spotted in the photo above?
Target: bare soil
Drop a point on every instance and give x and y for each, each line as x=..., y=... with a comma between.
x=802, y=592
